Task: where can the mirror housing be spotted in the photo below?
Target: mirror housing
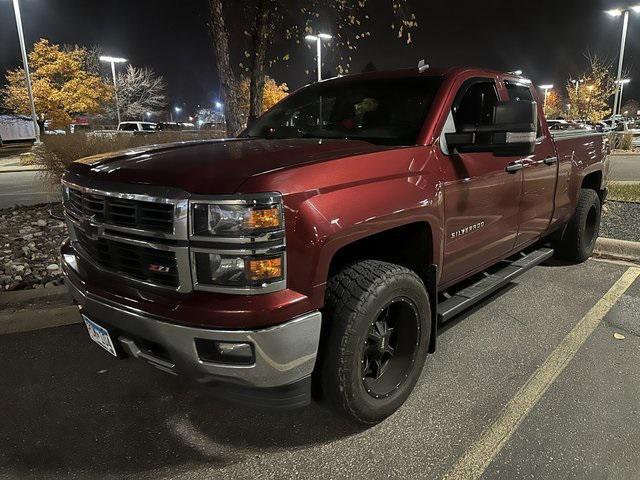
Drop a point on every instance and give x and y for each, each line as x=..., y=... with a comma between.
x=512, y=131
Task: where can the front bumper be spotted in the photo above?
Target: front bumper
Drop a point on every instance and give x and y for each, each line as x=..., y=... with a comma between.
x=285, y=355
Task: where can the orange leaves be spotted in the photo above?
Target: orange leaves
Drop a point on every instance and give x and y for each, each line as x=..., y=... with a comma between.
x=62, y=88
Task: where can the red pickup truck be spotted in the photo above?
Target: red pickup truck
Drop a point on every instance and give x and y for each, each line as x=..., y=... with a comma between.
x=321, y=249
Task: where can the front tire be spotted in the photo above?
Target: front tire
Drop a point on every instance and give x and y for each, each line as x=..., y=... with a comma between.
x=377, y=345
x=579, y=238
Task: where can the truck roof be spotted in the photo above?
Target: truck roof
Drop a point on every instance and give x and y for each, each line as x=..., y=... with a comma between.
x=414, y=72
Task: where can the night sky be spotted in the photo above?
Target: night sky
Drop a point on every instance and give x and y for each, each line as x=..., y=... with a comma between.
x=546, y=39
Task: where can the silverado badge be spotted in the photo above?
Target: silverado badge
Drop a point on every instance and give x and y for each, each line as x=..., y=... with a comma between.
x=469, y=229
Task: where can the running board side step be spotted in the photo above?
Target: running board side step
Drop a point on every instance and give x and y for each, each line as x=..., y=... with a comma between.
x=465, y=298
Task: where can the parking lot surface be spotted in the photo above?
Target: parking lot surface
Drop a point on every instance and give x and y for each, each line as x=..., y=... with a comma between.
x=71, y=411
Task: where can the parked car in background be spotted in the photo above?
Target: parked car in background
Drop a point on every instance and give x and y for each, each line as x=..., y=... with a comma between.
x=176, y=126
x=137, y=127
x=328, y=243
x=628, y=128
x=169, y=126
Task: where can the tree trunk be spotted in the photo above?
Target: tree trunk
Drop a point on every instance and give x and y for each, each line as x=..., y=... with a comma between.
x=226, y=76
x=259, y=36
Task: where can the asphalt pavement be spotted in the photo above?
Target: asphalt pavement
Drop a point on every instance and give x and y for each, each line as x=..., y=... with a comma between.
x=625, y=168
x=69, y=410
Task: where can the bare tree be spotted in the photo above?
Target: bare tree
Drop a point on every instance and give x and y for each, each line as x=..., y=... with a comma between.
x=140, y=91
x=226, y=75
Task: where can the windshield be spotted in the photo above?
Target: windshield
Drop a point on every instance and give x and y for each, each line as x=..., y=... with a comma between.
x=382, y=111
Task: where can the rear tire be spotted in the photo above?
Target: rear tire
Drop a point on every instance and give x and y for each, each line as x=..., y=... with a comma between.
x=379, y=320
x=579, y=238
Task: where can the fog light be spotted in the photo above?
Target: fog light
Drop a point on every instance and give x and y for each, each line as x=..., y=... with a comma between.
x=214, y=351
x=240, y=350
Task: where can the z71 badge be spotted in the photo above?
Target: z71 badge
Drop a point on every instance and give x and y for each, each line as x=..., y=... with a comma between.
x=465, y=230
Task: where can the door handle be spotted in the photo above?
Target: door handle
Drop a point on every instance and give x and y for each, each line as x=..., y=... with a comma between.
x=550, y=160
x=513, y=167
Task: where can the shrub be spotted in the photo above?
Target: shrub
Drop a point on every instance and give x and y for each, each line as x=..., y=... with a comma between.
x=626, y=141
x=622, y=141
x=58, y=151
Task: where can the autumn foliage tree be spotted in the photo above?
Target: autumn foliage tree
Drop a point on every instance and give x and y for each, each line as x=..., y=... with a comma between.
x=590, y=95
x=62, y=87
x=553, y=107
x=272, y=93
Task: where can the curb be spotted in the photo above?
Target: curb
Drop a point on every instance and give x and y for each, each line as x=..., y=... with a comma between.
x=21, y=169
x=28, y=310
x=626, y=153
x=24, y=296
x=618, y=249
x=30, y=320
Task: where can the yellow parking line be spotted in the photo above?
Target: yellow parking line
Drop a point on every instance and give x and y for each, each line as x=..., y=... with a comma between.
x=480, y=454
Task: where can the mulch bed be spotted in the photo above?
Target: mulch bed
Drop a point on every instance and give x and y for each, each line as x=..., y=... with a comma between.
x=621, y=220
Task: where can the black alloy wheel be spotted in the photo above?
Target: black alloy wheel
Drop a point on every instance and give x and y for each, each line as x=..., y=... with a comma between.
x=390, y=347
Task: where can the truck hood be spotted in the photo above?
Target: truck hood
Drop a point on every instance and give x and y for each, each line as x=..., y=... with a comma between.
x=213, y=166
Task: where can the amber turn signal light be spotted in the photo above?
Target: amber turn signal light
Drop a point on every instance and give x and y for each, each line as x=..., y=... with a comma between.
x=264, y=269
x=263, y=218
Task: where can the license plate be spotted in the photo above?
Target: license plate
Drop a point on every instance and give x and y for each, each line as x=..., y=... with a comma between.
x=100, y=335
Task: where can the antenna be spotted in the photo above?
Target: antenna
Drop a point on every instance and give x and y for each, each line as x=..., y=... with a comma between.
x=422, y=66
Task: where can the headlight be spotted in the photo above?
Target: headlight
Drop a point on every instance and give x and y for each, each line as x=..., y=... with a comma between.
x=218, y=269
x=238, y=244
x=236, y=218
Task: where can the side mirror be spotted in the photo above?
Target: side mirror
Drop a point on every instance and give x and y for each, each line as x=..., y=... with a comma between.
x=512, y=131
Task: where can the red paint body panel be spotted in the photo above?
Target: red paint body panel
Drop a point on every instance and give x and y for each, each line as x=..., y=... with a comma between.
x=216, y=166
x=337, y=192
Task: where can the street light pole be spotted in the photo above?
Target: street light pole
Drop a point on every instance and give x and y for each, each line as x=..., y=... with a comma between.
x=621, y=85
x=546, y=89
x=113, y=61
x=625, y=23
x=318, y=39
x=25, y=61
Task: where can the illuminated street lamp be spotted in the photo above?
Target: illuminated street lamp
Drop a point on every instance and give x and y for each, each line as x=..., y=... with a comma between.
x=27, y=75
x=546, y=89
x=318, y=39
x=177, y=110
x=621, y=83
x=113, y=61
x=624, y=12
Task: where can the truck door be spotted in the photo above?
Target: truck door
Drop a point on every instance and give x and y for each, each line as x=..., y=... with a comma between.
x=540, y=173
x=481, y=190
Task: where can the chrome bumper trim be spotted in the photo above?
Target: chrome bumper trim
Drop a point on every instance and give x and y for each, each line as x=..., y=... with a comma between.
x=284, y=354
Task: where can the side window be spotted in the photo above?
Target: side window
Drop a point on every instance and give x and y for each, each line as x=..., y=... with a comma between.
x=521, y=92
x=475, y=108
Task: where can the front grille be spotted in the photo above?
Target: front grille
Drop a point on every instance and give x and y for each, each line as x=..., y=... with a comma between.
x=122, y=212
x=135, y=261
